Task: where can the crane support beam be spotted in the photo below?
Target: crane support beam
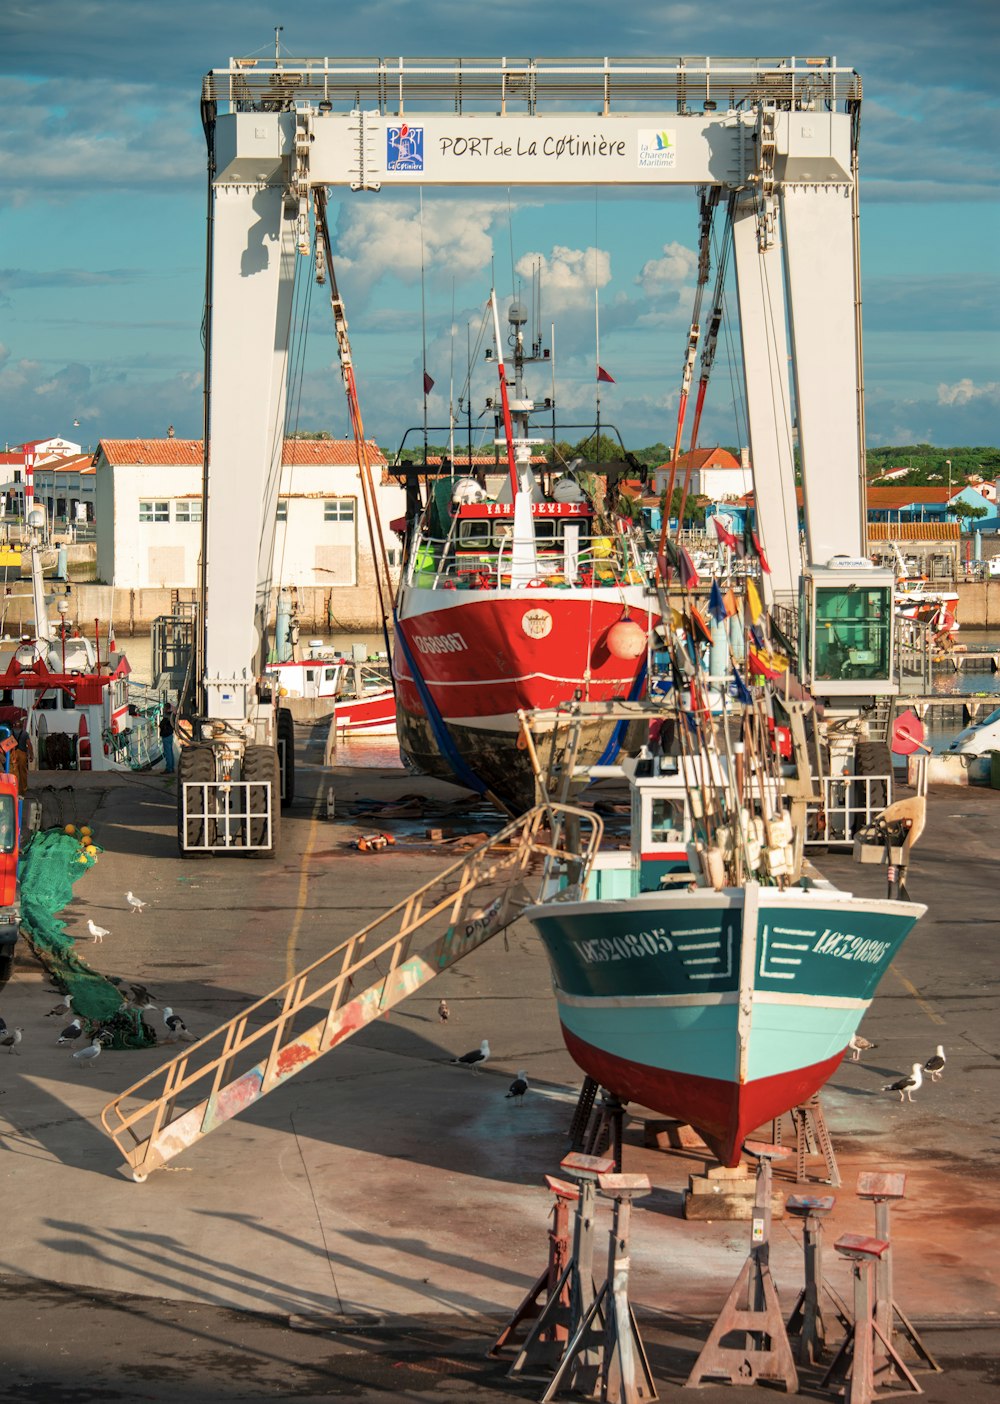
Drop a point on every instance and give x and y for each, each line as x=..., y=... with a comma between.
x=252, y=279
x=760, y=287
x=819, y=267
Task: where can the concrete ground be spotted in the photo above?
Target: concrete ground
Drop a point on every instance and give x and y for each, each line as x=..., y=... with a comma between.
x=386, y=1192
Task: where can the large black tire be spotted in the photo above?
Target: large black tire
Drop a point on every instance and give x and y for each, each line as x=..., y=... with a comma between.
x=6, y=966
x=286, y=741
x=260, y=765
x=197, y=765
x=872, y=758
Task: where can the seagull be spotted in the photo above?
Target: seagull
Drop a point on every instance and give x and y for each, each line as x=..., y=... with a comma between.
x=134, y=902
x=10, y=1040
x=85, y=1056
x=906, y=1086
x=97, y=932
x=70, y=1032
x=935, y=1065
x=519, y=1086
x=63, y=1007
x=444, y=1013
x=177, y=1027
x=142, y=997
x=859, y=1045
x=476, y=1058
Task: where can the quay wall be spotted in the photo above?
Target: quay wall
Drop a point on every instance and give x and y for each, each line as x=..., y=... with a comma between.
x=321, y=609
x=979, y=604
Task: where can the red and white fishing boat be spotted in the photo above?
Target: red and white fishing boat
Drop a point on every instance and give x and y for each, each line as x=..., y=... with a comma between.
x=357, y=691
x=521, y=601
x=73, y=700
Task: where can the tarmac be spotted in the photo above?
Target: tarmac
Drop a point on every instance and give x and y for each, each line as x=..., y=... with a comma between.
x=368, y=1228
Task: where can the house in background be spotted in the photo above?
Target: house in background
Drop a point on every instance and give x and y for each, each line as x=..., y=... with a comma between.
x=148, y=507
x=715, y=474
x=65, y=486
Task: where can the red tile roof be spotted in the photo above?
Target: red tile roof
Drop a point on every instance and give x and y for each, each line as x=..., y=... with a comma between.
x=180, y=453
x=706, y=458
x=886, y=497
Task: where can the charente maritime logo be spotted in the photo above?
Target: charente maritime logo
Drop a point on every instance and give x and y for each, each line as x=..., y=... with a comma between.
x=404, y=148
x=657, y=150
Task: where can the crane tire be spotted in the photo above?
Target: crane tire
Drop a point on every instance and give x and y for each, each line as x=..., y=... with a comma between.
x=195, y=764
x=260, y=764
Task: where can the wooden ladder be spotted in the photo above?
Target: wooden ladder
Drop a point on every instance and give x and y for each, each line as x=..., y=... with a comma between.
x=371, y=972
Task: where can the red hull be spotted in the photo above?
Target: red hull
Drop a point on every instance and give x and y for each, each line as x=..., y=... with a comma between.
x=374, y=715
x=723, y=1113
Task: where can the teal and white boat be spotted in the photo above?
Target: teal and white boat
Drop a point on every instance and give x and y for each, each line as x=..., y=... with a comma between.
x=720, y=1003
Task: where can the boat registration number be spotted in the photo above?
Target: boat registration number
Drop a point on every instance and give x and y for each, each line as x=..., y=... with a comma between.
x=440, y=643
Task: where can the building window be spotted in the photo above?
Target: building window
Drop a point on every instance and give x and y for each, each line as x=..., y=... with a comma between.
x=187, y=511
x=282, y=509
x=154, y=511
x=339, y=510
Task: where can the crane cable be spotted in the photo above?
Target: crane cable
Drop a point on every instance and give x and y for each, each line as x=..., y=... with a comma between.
x=380, y=556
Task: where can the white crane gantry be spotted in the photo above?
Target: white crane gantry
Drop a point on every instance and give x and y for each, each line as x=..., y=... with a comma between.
x=779, y=133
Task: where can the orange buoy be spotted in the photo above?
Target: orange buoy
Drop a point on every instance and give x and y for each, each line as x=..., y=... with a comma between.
x=626, y=640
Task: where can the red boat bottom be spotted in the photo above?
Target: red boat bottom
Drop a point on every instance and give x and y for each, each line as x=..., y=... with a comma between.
x=723, y=1113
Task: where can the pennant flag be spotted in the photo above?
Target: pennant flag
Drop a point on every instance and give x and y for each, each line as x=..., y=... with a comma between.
x=716, y=604
x=428, y=384
x=740, y=690
x=724, y=534
x=731, y=606
x=757, y=636
x=602, y=374
x=760, y=554
x=753, y=602
x=688, y=569
x=698, y=619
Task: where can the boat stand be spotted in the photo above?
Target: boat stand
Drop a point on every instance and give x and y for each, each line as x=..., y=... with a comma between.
x=570, y=1299
x=807, y=1320
x=812, y=1138
x=752, y=1306
x=857, y=1360
x=556, y=1334
x=608, y=1331
x=882, y=1188
x=596, y=1126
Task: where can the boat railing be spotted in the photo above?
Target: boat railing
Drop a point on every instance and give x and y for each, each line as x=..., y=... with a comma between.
x=598, y=560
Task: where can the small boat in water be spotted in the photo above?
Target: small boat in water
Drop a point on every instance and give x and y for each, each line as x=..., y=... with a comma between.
x=708, y=973
x=357, y=691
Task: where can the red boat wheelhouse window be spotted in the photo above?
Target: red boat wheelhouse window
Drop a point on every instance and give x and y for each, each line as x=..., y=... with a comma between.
x=8, y=826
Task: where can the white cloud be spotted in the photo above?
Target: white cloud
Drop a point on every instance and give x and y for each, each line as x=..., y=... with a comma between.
x=669, y=273
x=382, y=238
x=964, y=391
x=569, y=276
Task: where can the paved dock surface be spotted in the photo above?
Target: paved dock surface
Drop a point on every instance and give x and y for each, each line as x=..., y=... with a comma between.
x=385, y=1182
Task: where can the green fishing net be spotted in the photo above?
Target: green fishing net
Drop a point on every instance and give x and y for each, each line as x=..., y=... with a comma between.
x=50, y=866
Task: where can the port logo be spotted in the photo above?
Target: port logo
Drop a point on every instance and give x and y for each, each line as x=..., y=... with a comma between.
x=404, y=148
x=657, y=149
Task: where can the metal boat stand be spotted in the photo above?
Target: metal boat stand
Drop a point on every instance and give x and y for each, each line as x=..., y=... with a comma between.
x=596, y=1126
x=811, y=1139
x=556, y=1333
x=857, y=1360
x=752, y=1306
x=608, y=1331
x=536, y=1358
x=807, y=1320
x=882, y=1187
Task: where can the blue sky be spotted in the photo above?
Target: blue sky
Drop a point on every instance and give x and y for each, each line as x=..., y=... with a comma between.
x=102, y=217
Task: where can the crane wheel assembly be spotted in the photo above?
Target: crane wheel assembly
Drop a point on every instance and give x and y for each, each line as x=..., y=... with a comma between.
x=195, y=766
x=261, y=765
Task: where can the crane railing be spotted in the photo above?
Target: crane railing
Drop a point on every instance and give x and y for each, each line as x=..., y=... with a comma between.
x=356, y=982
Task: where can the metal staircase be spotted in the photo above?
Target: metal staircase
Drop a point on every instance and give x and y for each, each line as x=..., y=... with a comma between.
x=371, y=972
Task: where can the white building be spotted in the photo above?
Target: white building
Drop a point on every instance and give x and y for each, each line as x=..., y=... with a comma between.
x=715, y=474
x=148, y=510
x=65, y=487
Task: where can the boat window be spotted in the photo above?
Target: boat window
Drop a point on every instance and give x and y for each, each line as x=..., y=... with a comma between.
x=48, y=703
x=852, y=632
x=8, y=828
x=475, y=533
x=546, y=530
x=666, y=820
x=329, y=674
x=310, y=675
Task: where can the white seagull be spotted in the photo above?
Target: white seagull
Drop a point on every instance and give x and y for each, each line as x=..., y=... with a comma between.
x=71, y=1032
x=176, y=1027
x=935, y=1065
x=476, y=1058
x=63, y=1007
x=10, y=1039
x=134, y=902
x=519, y=1086
x=84, y=1057
x=97, y=933
x=906, y=1086
x=859, y=1045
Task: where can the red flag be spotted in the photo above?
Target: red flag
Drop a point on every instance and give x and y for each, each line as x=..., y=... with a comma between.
x=725, y=536
x=760, y=554
x=603, y=375
x=428, y=384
